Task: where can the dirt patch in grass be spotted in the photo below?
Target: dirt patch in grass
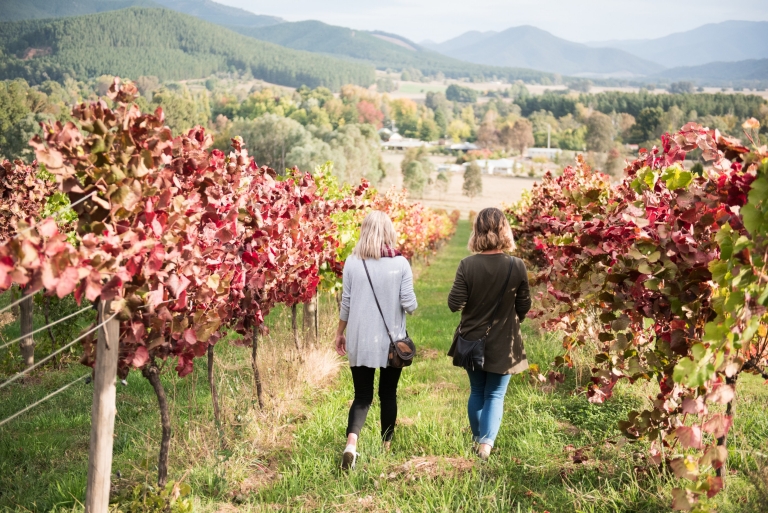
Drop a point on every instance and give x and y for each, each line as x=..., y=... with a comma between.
x=405, y=421
x=568, y=428
x=425, y=388
x=429, y=354
x=262, y=477
x=444, y=385
x=368, y=503
x=429, y=467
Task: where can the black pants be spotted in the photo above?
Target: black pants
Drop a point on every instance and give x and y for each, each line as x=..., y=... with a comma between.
x=362, y=377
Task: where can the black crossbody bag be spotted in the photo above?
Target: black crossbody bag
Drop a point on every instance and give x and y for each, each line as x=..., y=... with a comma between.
x=401, y=352
x=470, y=354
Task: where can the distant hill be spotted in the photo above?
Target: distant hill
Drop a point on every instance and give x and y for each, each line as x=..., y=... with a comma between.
x=752, y=72
x=172, y=46
x=15, y=10
x=530, y=47
x=385, y=51
x=466, y=39
x=728, y=41
x=219, y=13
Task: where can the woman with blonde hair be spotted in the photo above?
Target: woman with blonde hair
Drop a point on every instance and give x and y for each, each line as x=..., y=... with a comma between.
x=374, y=267
x=491, y=291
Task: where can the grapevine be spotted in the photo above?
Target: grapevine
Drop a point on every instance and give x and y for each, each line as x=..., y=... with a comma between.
x=663, y=272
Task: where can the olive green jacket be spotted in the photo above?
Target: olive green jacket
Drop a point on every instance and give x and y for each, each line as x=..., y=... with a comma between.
x=478, y=283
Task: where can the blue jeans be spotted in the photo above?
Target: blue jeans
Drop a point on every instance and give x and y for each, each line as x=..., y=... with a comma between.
x=486, y=404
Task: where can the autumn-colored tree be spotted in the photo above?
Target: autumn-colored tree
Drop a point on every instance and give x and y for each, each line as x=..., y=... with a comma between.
x=487, y=134
x=518, y=136
x=369, y=113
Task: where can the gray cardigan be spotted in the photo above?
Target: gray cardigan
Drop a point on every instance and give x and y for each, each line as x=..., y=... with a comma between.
x=367, y=340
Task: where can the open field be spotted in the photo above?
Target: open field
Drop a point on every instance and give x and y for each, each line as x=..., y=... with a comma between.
x=497, y=190
x=419, y=90
x=285, y=458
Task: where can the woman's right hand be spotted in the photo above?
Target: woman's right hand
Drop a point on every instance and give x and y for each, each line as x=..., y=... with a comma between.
x=341, y=345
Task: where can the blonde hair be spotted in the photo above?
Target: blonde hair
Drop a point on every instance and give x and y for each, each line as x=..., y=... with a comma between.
x=376, y=232
x=491, y=231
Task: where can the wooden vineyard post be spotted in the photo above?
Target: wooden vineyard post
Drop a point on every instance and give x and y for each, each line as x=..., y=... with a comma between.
x=103, y=413
x=214, y=394
x=309, y=321
x=27, y=344
x=255, y=365
x=295, y=328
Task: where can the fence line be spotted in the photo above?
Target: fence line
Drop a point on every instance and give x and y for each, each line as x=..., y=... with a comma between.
x=4, y=421
x=45, y=327
x=33, y=367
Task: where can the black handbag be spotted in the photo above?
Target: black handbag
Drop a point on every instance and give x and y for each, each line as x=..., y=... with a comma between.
x=470, y=354
x=401, y=352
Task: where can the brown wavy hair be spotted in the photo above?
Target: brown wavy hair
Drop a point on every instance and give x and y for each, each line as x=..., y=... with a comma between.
x=491, y=231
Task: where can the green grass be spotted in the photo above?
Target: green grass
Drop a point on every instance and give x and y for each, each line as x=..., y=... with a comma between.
x=290, y=454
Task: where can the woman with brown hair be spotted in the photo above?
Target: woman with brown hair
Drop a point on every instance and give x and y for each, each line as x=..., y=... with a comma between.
x=491, y=291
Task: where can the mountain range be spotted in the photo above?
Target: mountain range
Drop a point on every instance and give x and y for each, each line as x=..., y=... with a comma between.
x=728, y=41
x=530, y=47
x=518, y=53
x=383, y=50
x=676, y=55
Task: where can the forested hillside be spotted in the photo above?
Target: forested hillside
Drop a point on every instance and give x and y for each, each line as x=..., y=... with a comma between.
x=172, y=46
x=13, y=10
x=751, y=72
x=316, y=36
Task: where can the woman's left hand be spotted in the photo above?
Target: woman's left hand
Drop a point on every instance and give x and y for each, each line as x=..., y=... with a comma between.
x=341, y=345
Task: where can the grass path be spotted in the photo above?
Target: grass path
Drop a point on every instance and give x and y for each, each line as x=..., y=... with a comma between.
x=431, y=467
x=286, y=457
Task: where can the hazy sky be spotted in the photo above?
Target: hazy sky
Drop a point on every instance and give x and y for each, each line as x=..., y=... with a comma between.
x=577, y=20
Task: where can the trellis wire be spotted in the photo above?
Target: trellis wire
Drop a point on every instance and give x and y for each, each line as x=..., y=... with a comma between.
x=33, y=367
x=42, y=400
x=45, y=327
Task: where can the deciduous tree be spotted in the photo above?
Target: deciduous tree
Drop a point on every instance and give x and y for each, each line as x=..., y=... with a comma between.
x=473, y=181
x=518, y=136
x=600, y=132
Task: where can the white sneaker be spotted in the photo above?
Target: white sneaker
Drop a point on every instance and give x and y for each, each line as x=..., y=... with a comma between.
x=349, y=457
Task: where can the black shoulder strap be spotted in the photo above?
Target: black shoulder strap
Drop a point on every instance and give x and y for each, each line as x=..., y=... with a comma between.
x=377, y=302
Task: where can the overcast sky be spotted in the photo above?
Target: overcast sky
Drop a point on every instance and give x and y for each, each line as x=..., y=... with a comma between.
x=576, y=20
